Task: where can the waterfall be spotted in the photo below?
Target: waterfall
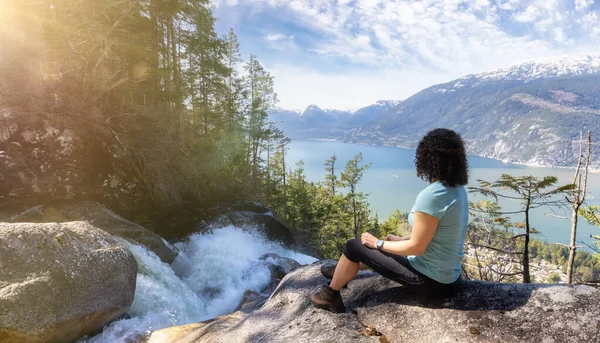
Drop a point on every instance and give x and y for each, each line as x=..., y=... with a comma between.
x=207, y=279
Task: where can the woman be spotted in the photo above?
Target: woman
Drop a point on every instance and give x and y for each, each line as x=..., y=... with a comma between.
x=429, y=260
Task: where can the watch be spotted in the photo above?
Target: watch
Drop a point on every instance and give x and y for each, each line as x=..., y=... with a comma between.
x=380, y=244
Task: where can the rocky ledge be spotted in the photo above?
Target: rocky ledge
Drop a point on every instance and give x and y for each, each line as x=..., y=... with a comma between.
x=380, y=310
x=97, y=215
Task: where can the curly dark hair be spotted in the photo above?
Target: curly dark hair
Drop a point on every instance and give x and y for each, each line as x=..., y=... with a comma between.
x=441, y=157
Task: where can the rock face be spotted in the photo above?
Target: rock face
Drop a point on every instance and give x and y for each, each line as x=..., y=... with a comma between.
x=380, y=310
x=59, y=282
x=245, y=214
x=44, y=156
x=100, y=217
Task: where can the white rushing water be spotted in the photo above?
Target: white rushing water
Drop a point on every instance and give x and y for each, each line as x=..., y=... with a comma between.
x=208, y=279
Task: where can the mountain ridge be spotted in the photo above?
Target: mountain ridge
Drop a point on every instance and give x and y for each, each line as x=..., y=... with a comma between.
x=314, y=122
x=531, y=113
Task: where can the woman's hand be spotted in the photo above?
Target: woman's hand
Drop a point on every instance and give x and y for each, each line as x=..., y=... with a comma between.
x=369, y=240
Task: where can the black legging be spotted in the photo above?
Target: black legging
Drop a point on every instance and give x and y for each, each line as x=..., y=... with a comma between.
x=396, y=268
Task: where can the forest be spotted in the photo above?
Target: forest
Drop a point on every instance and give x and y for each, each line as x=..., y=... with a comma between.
x=190, y=113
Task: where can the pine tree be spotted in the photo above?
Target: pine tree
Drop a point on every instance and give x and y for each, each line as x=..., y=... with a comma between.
x=531, y=193
x=396, y=224
x=235, y=85
x=331, y=179
x=262, y=98
x=350, y=179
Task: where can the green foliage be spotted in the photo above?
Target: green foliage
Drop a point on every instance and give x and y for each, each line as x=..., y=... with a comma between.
x=350, y=178
x=153, y=77
x=331, y=179
x=492, y=237
x=531, y=193
x=396, y=224
x=321, y=215
x=592, y=215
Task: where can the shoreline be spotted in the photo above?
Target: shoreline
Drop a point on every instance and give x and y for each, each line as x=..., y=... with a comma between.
x=551, y=230
x=535, y=165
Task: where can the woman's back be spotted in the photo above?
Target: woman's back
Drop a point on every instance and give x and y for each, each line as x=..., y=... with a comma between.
x=441, y=260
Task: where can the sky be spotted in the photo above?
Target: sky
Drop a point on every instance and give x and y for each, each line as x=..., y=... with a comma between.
x=346, y=54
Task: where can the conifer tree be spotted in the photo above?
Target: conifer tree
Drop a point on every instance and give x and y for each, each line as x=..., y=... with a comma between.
x=350, y=179
x=531, y=193
x=331, y=180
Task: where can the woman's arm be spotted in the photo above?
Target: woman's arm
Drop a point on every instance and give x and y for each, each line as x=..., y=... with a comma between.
x=394, y=238
x=423, y=229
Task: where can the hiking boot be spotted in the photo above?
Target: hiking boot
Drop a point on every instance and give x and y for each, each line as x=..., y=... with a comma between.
x=327, y=270
x=328, y=299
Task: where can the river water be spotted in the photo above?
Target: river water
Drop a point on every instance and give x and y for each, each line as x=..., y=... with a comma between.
x=208, y=279
x=392, y=183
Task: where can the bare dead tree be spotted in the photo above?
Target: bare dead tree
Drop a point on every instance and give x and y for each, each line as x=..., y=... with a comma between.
x=576, y=198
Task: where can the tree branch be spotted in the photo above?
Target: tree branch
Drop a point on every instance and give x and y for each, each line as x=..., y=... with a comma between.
x=495, y=249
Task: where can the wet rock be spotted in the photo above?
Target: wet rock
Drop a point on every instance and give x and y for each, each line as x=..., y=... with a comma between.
x=98, y=216
x=250, y=214
x=59, y=282
x=252, y=301
x=478, y=312
x=284, y=264
x=279, y=267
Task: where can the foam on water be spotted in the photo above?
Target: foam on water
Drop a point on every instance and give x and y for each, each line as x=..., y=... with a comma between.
x=208, y=278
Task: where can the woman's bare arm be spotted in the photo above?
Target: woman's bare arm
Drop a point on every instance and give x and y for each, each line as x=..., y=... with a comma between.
x=394, y=238
x=424, y=228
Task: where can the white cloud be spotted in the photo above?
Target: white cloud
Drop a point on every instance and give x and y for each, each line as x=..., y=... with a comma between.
x=559, y=35
x=583, y=5
x=419, y=40
x=275, y=37
x=531, y=14
x=297, y=88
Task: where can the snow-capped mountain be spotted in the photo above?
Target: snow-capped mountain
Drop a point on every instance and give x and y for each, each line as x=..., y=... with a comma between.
x=529, y=113
x=544, y=68
x=385, y=104
x=315, y=122
x=314, y=110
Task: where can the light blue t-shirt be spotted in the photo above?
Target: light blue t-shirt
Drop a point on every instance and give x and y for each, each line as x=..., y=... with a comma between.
x=441, y=260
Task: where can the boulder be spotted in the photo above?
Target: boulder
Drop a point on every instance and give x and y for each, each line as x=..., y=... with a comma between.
x=250, y=214
x=59, y=282
x=380, y=310
x=100, y=217
x=279, y=267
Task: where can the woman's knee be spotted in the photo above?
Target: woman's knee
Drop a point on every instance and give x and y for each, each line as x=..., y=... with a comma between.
x=353, y=250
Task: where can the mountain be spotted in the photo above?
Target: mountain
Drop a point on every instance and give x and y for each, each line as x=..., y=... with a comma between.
x=317, y=123
x=529, y=113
